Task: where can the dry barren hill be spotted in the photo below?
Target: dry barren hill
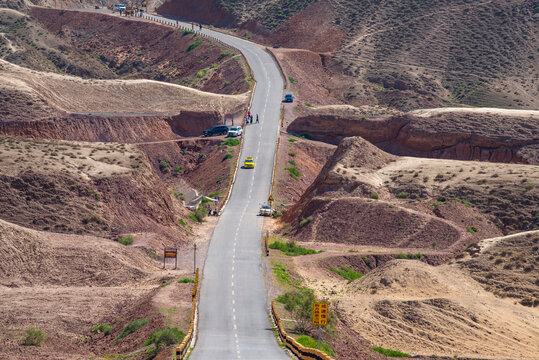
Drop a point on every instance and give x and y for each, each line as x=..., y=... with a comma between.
x=74, y=188
x=145, y=50
x=76, y=95
x=496, y=135
x=364, y=196
x=420, y=309
x=404, y=54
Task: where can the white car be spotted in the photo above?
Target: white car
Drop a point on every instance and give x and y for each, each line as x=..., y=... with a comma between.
x=235, y=131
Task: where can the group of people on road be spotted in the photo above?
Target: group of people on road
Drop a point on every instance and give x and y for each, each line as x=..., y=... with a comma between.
x=249, y=119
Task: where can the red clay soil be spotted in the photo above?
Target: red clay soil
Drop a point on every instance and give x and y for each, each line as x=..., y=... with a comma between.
x=201, y=163
x=140, y=49
x=339, y=208
x=311, y=29
x=113, y=128
x=448, y=136
x=309, y=157
x=205, y=11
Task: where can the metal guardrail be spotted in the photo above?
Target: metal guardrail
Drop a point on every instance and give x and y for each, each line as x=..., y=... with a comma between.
x=302, y=352
x=183, y=349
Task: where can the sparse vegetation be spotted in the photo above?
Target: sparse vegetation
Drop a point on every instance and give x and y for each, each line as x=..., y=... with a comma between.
x=309, y=342
x=193, y=46
x=293, y=172
x=186, y=280
x=374, y=195
x=292, y=80
x=230, y=142
x=131, y=328
x=403, y=195
x=182, y=222
x=347, y=273
x=300, y=305
x=187, y=32
x=390, y=353
x=166, y=283
x=290, y=248
x=305, y=221
x=227, y=156
x=126, y=240
x=409, y=256
x=103, y=328
x=471, y=229
x=164, y=337
x=34, y=337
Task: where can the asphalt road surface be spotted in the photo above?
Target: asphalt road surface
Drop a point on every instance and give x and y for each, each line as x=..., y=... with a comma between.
x=233, y=311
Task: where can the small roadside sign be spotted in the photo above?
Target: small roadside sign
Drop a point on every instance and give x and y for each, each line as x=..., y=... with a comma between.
x=320, y=314
x=170, y=253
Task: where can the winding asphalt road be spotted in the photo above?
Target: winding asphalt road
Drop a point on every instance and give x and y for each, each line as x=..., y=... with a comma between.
x=233, y=311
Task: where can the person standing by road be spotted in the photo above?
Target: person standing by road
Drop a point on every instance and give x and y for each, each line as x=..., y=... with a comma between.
x=257, y=118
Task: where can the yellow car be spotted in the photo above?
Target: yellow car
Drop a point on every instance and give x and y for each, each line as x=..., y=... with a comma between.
x=249, y=163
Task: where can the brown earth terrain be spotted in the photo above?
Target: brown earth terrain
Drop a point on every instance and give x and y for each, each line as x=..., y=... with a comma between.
x=75, y=189
x=497, y=136
x=401, y=55
x=410, y=202
x=146, y=50
x=66, y=284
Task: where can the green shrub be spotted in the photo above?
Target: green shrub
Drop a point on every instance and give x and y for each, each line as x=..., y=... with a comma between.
x=103, y=328
x=132, y=327
x=192, y=217
x=403, y=195
x=409, y=256
x=292, y=140
x=178, y=169
x=193, y=46
x=276, y=214
x=290, y=248
x=390, y=353
x=227, y=156
x=219, y=179
x=300, y=305
x=186, y=280
x=92, y=219
x=126, y=240
x=187, y=32
x=230, y=142
x=292, y=80
x=309, y=342
x=166, y=283
x=308, y=105
x=347, y=273
x=305, y=221
x=34, y=337
x=374, y=195
x=471, y=229
x=224, y=54
x=293, y=172
x=164, y=338
x=200, y=213
x=182, y=222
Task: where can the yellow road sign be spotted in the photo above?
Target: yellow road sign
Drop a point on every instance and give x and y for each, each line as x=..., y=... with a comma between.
x=320, y=313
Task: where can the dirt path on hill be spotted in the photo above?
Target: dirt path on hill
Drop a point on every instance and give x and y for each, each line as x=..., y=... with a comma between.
x=492, y=111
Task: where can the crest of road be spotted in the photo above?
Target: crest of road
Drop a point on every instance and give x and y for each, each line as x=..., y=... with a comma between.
x=233, y=312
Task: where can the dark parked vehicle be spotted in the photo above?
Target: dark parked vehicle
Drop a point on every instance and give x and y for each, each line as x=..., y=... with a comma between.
x=288, y=98
x=216, y=130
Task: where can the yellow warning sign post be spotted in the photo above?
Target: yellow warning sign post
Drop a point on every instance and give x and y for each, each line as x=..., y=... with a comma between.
x=320, y=317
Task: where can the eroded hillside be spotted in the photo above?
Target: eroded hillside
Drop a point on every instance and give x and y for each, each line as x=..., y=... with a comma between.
x=406, y=54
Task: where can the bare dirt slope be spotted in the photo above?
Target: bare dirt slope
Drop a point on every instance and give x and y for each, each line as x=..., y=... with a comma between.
x=65, y=285
x=77, y=95
x=133, y=49
x=507, y=266
x=463, y=134
x=420, y=309
x=404, y=55
x=412, y=202
x=75, y=189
